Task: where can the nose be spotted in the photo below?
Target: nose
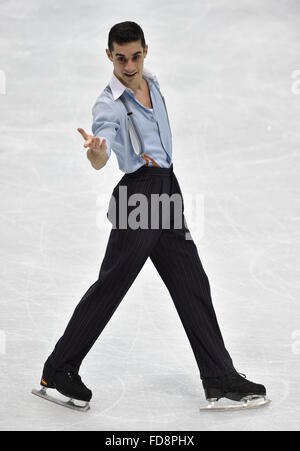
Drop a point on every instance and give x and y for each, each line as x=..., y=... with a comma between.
x=130, y=70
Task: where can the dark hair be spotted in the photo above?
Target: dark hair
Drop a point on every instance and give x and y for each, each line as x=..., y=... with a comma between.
x=124, y=32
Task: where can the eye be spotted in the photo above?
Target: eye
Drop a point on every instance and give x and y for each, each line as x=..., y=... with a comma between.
x=121, y=60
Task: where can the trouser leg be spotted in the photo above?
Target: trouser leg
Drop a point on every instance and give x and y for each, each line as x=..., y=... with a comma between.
x=177, y=261
x=126, y=252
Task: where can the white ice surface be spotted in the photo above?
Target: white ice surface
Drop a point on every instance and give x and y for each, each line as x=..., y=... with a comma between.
x=230, y=72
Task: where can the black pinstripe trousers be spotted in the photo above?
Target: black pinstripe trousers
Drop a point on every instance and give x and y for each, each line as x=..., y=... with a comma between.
x=177, y=261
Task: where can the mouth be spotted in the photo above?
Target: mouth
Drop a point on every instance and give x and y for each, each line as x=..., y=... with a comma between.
x=130, y=76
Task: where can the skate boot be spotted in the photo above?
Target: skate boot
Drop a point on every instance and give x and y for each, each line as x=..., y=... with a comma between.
x=67, y=383
x=236, y=387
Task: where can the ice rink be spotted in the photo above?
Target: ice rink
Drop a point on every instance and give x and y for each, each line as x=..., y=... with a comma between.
x=230, y=73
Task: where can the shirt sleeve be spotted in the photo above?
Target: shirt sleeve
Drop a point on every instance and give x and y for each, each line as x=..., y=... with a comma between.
x=105, y=123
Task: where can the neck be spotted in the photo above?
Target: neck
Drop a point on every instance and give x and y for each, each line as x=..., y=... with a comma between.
x=136, y=84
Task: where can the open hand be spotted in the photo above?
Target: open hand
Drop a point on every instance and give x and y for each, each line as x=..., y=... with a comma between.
x=93, y=143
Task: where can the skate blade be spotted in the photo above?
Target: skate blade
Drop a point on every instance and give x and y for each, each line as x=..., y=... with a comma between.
x=245, y=403
x=69, y=404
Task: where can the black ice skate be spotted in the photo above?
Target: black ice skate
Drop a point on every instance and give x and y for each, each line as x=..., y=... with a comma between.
x=69, y=384
x=234, y=387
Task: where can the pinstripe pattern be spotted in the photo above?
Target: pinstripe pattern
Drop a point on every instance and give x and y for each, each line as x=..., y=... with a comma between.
x=178, y=263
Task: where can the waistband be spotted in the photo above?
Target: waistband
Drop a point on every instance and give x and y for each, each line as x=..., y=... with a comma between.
x=150, y=170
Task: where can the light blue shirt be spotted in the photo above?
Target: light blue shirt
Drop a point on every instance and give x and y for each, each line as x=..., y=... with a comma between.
x=110, y=122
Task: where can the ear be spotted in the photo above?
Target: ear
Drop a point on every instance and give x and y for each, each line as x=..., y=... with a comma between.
x=108, y=54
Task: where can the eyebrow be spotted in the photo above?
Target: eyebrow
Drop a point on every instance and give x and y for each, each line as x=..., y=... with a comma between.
x=120, y=54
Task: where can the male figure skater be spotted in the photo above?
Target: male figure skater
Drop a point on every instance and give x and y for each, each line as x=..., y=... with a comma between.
x=130, y=118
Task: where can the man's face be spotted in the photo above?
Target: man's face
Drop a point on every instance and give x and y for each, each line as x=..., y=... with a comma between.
x=128, y=59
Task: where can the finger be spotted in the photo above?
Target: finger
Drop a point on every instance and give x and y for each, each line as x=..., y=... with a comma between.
x=83, y=133
x=94, y=143
x=88, y=143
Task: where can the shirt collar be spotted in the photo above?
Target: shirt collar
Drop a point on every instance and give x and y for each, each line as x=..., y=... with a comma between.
x=118, y=88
